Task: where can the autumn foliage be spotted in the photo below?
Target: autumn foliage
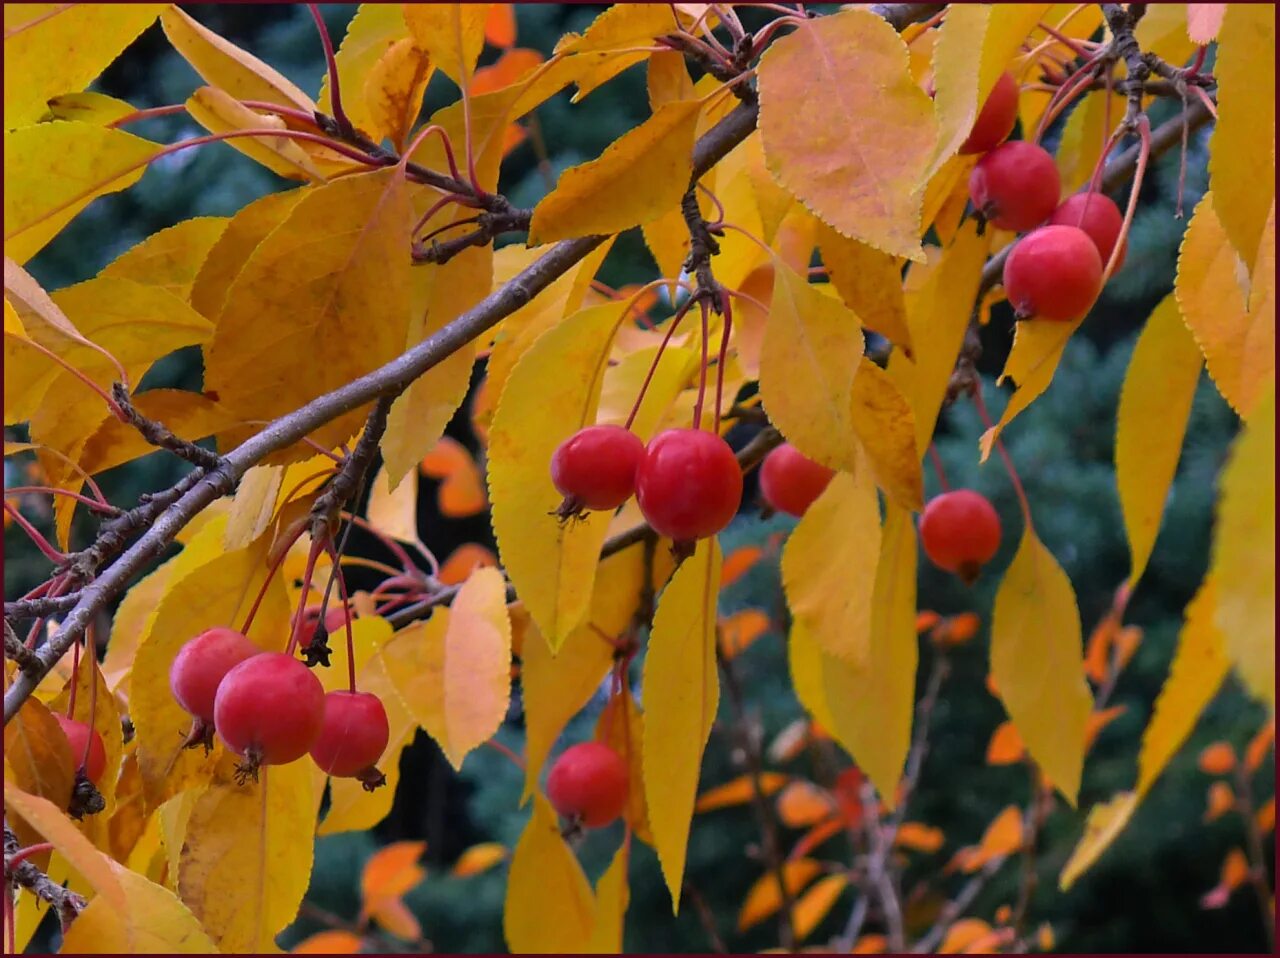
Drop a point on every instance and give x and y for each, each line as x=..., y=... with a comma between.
x=834, y=201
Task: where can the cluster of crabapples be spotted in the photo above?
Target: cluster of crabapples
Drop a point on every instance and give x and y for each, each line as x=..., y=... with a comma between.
x=1055, y=271
x=270, y=709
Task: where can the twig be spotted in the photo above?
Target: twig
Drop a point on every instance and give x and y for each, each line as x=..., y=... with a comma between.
x=706, y=917
x=1257, y=858
x=14, y=649
x=66, y=903
x=1032, y=824
x=325, y=512
x=160, y=435
x=957, y=906
x=34, y=608
x=765, y=820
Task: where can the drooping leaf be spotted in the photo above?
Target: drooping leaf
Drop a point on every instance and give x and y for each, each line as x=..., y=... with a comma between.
x=254, y=506
x=738, y=791
x=549, y=908
x=815, y=903
x=218, y=112
x=854, y=157
x=334, y=277
x=393, y=91
x=393, y=870
x=1243, y=564
x=394, y=512
x=1155, y=403
x=811, y=354
x=330, y=942
x=452, y=34
x=1037, y=662
x=246, y=860
x=1235, y=329
x=869, y=282
x=1083, y=137
x=478, y=858
x=639, y=176
x=226, y=66
x=764, y=897
x=552, y=392
x=621, y=727
x=1241, y=161
x=38, y=759
x=681, y=694
x=613, y=895
x=52, y=171
x=886, y=427
x=461, y=491
x=157, y=923
x=87, y=37
x=829, y=566
x=453, y=671
x=374, y=29
x=872, y=706
x=1037, y=350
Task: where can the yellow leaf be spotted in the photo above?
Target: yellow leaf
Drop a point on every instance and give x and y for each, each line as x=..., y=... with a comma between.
x=681, y=693
x=38, y=759
x=1164, y=33
x=886, y=427
x=1241, y=152
x=96, y=108
x=764, y=898
x=738, y=791
x=869, y=282
x=332, y=942
x=393, y=870
x=937, y=315
x=394, y=512
x=208, y=586
x=612, y=898
x=224, y=65
x=374, y=29
x=1243, y=563
x=667, y=79
x=335, y=277
x=855, y=157
x=549, y=908
x=1235, y=330
x=156, y=923
x=1037, y=350
x=246, y=860
x=170, y=258
x=814, y=904
x=254, y=506
x=556, y=686
x=52, y=171
x=872, y=707
x=453, y=671
x=553, y=391
x=621, y=727
x=919, y=837
x=241, y=236
x=61, y=48
x=1105, y=821
x=452, y=34
x=12, y=324
x=811, y=353
x=829, y=566
x=393, y=91
x=478, y=858
x=1083, y=137
x=997, y=35
x=351, y=808
x=638, y=177
x=1155, y=404
x=218, y=112
x=1037, y=662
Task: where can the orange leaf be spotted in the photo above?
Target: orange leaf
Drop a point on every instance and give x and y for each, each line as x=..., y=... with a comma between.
x=919, y=837
x=1126, y=642
x=1266, y=816
x=478, y=858
x=926, y=620
x=1002, y=837
x=738, y=791
x=1005, y=746
x=393, y=915
x=1235, y=871
x=814, y=905
x=512, y=137
x=763, y=898
x=803, y=803
x=393, y=870
x=1256, y=753
x=962, y=934
x=1097, y=653
x=463, y=561
x=961, y=628
x=1221, y=800
x=510, y=67
x=816, y=836
x=329, y=943
x=739, y=630
x=737, y=562
x=1217, y=759
x=500, y=27
x=871, y=945
x=1100, y=720
x=461, y=492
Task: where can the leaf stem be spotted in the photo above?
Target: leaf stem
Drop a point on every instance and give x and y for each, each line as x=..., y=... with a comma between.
x=936, y=458
x=104, y=507
x=702, y=367
x=335, y=94
x=671, y=328
x=1021, y=493
x=271, y=573
x=41, y=543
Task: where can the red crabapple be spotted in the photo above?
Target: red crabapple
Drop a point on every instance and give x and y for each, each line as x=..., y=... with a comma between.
x=790, y=481
x=1053, y=273
x=595, y=468
x=269, y=710
x=689, y=484
x=353, y=737
x=201, y=664
x=1015, y=186
x=335, y=621
x=79, y=735
x=996, y=118
x=960, y=532
x=588, y=784
x=1098, y=216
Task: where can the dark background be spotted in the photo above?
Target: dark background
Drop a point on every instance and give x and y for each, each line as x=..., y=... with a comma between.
x=1141, y=896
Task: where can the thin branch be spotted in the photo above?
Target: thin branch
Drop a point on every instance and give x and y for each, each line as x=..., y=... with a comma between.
x=955, y=909
x=66, y=903
x=159, y=435
x=1256, y=854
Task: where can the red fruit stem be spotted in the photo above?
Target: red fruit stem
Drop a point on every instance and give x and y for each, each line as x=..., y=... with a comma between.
x=936, y=459
x=20, y=856
x=307, y=440
x=94, y=504
x=271, y=573
x=718, y=205
x=702, y=368
x=57, y=585
x=138, y=116
x=9, y=920
x=1021, y=493
x=90, y=643
x=336, y=573
x=1077, y=84
x=347, y=151
x=1068, y=42
x=644, y=386
x=298, y=619
x=1139, y=173
x=511, y=756
x=264, y=106
x=302, y=482
x=726, y=310
x=75, y=680
x=417, y=141
x=409, y=567
x=1198, y=62
x=47, y=550
x=765, y=34
x=467, y=221
x=927, y=25
x=335, y=95
x=435, y=208
x=464, y=85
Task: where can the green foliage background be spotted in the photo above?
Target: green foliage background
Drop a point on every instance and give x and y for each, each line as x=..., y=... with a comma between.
x=1142, y=896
